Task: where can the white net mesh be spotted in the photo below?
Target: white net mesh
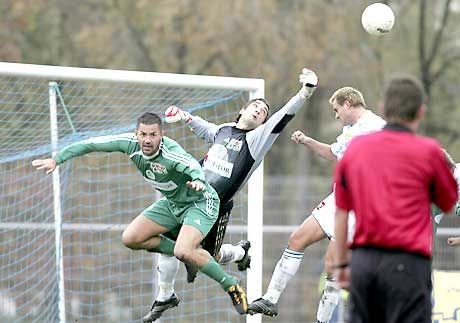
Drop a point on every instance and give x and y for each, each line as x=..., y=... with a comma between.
x=100, y=194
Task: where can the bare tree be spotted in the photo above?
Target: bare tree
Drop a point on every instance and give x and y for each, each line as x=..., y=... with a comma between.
x=428, y=54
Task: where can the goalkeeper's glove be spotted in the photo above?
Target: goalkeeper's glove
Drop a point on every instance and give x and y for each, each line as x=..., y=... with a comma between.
x=174, y=114
x=309, y=81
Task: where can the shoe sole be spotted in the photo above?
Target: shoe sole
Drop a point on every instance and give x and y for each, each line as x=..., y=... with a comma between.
x=252, y=312
x=167, y=308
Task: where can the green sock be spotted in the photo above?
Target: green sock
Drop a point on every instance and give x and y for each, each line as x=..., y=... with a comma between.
x=213, y=270
x=166, y=246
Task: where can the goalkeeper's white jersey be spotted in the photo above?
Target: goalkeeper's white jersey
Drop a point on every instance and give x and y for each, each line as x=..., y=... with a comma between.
x=367, y=123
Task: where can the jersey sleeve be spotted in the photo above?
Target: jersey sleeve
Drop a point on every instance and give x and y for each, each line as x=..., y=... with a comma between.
x=340, y=145
x=192, y=168
x=262, y=138
x=184, y=163
x=444, y=186
x=110, y=143
x=203, y=129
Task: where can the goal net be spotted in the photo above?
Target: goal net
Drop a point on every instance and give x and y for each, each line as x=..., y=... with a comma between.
x=61, y=256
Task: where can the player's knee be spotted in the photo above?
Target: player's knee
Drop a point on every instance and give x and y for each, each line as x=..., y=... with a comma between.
x=129, y=240
x=183, y=253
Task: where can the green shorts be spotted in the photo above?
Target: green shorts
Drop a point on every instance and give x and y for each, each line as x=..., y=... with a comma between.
x=201, y=214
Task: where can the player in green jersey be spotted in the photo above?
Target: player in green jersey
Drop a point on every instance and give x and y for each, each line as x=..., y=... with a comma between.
x=188, y=209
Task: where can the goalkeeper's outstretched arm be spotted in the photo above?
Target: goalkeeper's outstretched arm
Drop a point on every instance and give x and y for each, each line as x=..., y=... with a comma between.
x=262, y=138
x=200, y=127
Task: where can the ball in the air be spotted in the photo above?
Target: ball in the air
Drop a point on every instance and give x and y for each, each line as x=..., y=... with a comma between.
x=378, y=19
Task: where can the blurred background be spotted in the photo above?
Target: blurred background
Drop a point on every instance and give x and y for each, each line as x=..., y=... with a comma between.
x=269, y=39
x=272, y=40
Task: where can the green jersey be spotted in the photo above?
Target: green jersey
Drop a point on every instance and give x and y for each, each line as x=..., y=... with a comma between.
x=167, y=171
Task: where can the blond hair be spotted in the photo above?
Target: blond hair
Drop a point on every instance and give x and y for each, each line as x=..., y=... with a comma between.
x=349, y=94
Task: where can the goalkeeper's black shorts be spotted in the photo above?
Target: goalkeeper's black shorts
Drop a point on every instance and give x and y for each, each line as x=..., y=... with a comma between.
x=213, y=241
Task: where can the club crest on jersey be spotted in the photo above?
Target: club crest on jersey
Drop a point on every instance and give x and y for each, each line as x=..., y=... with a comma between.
x=150, y=174
x=233, y=144
x=158, y=168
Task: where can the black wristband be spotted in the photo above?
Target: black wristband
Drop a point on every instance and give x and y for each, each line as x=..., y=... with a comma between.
x=341, y=266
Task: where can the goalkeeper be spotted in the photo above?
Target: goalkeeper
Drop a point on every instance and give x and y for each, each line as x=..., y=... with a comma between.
x=349, y=107
x=237, y=150
x=189, y=207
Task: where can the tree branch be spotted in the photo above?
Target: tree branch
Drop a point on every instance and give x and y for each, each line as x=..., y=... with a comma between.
x=421, y=35
x=439, y=34
x=444, y=66
x=149, y=63
x=208, y=63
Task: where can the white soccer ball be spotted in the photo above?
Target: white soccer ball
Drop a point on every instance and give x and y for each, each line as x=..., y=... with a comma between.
x=378, y=19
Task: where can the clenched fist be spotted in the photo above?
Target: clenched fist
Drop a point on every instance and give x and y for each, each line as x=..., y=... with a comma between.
x=299, y=137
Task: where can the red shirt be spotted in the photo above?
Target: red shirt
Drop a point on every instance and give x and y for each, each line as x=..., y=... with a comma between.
x=390, y=178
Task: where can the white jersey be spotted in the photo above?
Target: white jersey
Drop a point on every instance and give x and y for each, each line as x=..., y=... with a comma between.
x=457, y=174
x=457, y=178
x=324, y=213
x=367, y=123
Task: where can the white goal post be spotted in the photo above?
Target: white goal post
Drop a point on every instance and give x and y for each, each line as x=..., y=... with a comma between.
x=53, y=76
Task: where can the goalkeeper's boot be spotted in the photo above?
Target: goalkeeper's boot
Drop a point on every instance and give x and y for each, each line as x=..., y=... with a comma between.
x=239, y=298
x=245, y=262
x=264, y=307
x=192, y=271
x=159, y=307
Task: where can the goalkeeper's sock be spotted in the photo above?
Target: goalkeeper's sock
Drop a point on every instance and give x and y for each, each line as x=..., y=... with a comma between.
x=230, y=253
x=213, y=270
x=285, y=269
x=167, y=271
x=166, y=246
x=329, y=300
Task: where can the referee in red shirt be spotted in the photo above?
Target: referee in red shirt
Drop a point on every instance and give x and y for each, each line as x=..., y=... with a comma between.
x=390, y=178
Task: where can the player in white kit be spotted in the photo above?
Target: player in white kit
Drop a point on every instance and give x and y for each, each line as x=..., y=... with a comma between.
x=349, y=107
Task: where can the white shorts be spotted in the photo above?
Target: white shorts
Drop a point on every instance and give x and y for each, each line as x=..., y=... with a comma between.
x=324, y=213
